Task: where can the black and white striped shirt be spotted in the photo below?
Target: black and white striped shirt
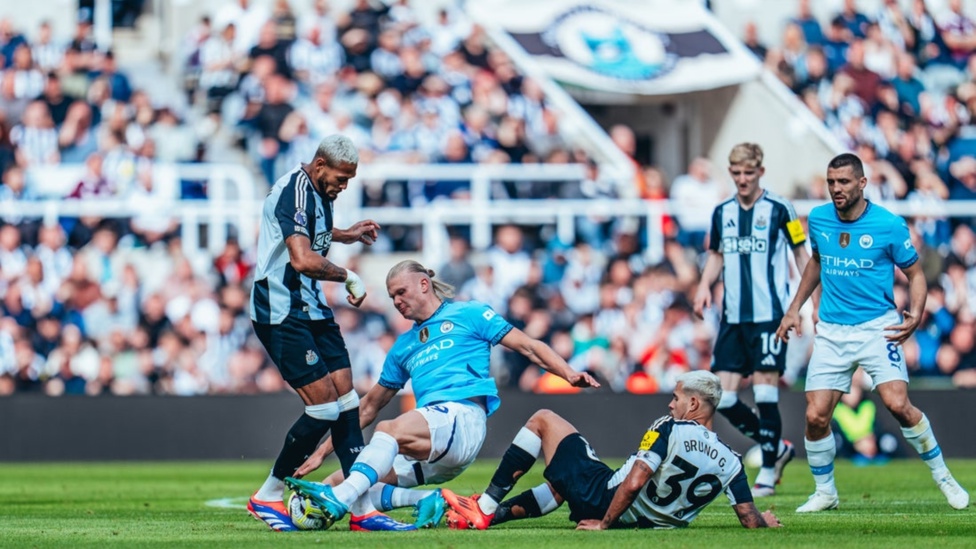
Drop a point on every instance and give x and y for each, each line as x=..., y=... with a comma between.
x=754, y=244
x=292, y=207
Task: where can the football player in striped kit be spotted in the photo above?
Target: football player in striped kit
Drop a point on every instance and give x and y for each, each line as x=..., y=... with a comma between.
x=679, y=468
x=293, y=321
x=750, y=238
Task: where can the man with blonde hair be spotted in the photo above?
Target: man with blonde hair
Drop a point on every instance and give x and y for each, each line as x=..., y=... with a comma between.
x=446, y=357
x=750, y=236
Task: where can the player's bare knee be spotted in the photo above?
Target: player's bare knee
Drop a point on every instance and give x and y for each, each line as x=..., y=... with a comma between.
x=904, y=412
x=386, y=426
x=540, y=420
x=817, y=423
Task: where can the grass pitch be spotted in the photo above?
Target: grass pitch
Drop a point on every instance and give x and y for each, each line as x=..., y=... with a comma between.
x=202, y=505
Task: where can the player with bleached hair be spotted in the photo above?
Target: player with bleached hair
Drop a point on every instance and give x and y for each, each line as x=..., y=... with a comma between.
x=751, y=237
x=446, y=357
x=856, y=246
x=680, y=467
x=293, y=321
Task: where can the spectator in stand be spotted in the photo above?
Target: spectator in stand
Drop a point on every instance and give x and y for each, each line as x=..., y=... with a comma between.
x=458, y=270
x=77, y=138
x=625, y=140
x=855, y=21
x=219, y=63
x=835, y=45
x=812, y=33
x=866, y=81
x=958, y=31
x=35, y=138
x=750, y=37
x=695, y=194
x=269, y=45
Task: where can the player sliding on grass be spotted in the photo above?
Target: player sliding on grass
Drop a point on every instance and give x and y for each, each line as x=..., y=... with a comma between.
x=679, y=468
x=446, y=356
x=856, y=246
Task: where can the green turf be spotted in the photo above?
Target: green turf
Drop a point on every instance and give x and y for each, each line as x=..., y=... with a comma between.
x=164, y=504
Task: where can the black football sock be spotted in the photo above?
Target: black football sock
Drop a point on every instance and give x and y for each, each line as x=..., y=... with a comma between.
x=744, y=419
x=347, y=439
x=515, y=463
x=301, y=440
x=770, y=431
x=521, y=506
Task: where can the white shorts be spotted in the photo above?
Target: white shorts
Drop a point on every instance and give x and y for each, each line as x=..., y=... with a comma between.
x=839, y=349
x=457, y=431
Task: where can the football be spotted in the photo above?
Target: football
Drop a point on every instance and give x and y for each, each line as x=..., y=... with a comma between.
x=305, y=515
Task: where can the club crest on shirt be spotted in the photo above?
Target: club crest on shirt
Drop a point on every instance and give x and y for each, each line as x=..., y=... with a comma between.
x=845, y=239
x=761, y=223
x=311, y=357
x=424, y=334
x=446, y=326
x=865, y=241
x=300, y=218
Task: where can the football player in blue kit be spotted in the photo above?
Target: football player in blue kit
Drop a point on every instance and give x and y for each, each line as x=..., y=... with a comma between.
x=679, y=468
x=856, y=246
x=445, y=356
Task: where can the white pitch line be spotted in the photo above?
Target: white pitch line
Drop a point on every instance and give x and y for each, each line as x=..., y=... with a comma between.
x=228, y=503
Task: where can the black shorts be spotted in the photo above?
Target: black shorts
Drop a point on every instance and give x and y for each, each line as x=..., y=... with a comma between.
x=580, y=478
x=304, y=350
x=749, y=347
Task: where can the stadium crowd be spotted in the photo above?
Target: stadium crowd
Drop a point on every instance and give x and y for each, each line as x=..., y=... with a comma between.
x=94, y=306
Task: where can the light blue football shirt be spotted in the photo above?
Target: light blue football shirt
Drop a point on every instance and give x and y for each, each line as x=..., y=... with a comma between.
x=857, y=261
x=447, y=355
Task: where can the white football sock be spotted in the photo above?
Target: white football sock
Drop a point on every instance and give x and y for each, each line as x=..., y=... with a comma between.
x=923, y=440
x=362, y=506
x=273, y=489
x=820, y=456
x=373, y=463
x=386, y=496
x=545, y=499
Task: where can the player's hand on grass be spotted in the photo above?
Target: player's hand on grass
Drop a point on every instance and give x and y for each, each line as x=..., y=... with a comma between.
x=582, y=380
x=904, y=330
x=770, y=519
x=590, y=524
x=791, y=321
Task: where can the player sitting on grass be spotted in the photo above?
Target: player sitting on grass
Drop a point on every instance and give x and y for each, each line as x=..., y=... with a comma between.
x=679, y=468
x=446, y=356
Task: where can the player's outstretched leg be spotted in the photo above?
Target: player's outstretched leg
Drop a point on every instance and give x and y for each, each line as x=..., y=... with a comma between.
x=321, y=495
x=820, y=456
x=923, y=440
x=518, y=459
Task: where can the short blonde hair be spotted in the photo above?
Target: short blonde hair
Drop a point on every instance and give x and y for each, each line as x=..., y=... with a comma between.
x=703, y=383
x=748, y=154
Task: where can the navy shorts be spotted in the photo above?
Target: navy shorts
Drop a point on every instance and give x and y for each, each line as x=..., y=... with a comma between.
x=580, y=478
x=749, y=347
x=304, y=350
